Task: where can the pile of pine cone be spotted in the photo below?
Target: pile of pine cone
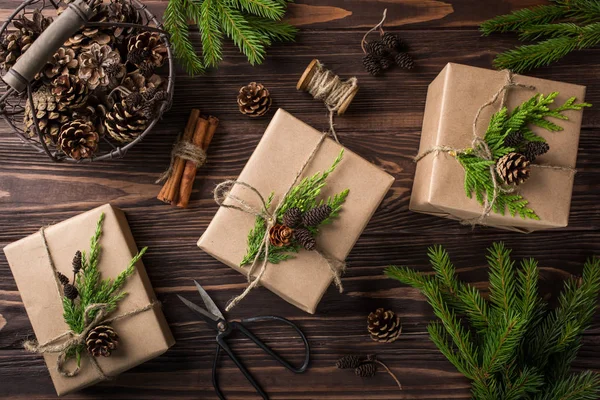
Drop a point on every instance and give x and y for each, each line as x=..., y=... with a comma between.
x=382, y=54
x=513, y=168
x=100, y=83
x=299, y=226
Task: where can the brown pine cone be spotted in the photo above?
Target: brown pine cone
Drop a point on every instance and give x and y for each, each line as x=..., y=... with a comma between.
x=403, y=60
x=123, y=11
x=146, y=85
x=70, y=92
x=78, y=139
x=515, y=139
x=62, y=278
x=366, y=370
x=146, y=50
x=254, y=100
x=70, y=291
x=280, y=235
x=305, y=238
x=292, y=217
x=77, y=262
x=384, y=326
x=101, y=341
x=513, y=168
x=393, y=42
x=85, y=38
x=63, y=62
x=535, y=149
x=94, y=111
x=50, y=119
x=15, y=42
x=349, y=361
x=316, y=216
x=125, y=121
x=377, y=48
x=386, y=62
x=372, y=65
x=101, y=66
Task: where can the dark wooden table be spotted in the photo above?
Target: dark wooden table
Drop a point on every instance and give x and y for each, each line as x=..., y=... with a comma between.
x=383, y=125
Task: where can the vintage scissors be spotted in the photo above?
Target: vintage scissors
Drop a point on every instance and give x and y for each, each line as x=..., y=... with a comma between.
x=215, y=319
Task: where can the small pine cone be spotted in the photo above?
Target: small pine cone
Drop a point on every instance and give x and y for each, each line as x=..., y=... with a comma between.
x=393, y=42
x=292, y=217
x=77, y=262
x=78, y=139
x=147, y=47
x=403, y=60
x=376, y=48
x=372, y=65
x=280, y=235
x=126, y=120
x=384, y=326
x=101, y=341
x=70, y=92
x=366, y=370
x=349, y=361
x=254, y=100
x=535, y=149
x=514, y=139
x=70, y=291
x=513, y=168
x=305, y=238
x=316, y=216
x=386, y=62
x=62, y=279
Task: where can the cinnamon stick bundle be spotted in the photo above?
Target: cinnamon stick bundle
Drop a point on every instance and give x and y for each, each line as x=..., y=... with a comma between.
x=198, y=132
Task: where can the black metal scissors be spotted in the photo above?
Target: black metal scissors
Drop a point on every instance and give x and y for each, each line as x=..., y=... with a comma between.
x=215, y=319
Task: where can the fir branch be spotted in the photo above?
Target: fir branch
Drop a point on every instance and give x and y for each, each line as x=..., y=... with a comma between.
x=207, y=20
x=272, y=30
x=502, y=279
x=583, y=386
x=524, y=18
x=407, y=276
x=237, y=29
x=268, y=9
x=528, y=381
x=440, y=338
x=175, y=20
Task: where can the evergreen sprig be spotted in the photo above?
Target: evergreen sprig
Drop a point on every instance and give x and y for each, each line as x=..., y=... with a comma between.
x=252, y=25
x=94, y=290
x=511, y=346
x=559, y=28
x=478, y=170
x=305, y=197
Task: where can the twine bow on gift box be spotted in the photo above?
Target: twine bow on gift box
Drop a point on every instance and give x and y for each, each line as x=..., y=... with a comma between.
x=501, y=192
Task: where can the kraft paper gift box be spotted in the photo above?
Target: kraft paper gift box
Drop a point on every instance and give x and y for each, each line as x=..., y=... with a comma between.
x=284, y=148
x=141, y=337
x=453, y=99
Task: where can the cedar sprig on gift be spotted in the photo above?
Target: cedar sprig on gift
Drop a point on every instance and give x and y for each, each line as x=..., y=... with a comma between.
x=91, y=288
x=302, y=200
x=509, y=344
x=507, y=135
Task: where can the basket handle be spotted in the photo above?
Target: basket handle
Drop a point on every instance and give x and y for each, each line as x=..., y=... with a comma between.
x=43, y=48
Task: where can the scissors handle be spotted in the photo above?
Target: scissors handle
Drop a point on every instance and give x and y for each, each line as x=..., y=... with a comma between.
x=221, y=344
x=240, y=326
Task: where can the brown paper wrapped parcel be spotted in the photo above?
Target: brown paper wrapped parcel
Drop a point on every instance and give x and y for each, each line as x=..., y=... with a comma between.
x=141, y=337
x=453, y=99
x=284, y=148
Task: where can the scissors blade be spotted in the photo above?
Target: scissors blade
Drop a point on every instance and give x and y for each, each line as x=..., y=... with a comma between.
x=208, y=302
x=208, y=317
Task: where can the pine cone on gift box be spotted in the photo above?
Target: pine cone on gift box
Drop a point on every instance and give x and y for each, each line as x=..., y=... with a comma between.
x=101, y=341
x=254, y=100
x=292, y=217
x=349, y=361
x=305, y=238
x=535, y=149
x=70, y=291
x=146, y=51
x=77, y=259
x=63, y=62
x=78, y=139
x=101, y=66
x=280, y=235
x=70, y=92
x=514, y=139
x=62, y=278
x=403, y=60
x=125, y=121
x=384, y=326
x=513, y=168
x=316, y=216
x=50, y=119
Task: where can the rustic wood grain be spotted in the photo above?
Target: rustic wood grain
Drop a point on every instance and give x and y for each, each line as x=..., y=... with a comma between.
x=383, y=125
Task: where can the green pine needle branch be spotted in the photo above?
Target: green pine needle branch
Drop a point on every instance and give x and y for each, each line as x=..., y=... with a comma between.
x=305, y=197
x=252, y=25
x=510, y=345
x=478, y=174
x=94, y=290
x=556, y=30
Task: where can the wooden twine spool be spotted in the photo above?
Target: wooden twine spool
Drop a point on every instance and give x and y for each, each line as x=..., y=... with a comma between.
x=316, y=70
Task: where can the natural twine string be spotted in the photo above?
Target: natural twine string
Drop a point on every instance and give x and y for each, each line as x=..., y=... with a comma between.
x=326, y=86
x=222, y=192
x=55, y=345
x=186, y=151
x=481, y=149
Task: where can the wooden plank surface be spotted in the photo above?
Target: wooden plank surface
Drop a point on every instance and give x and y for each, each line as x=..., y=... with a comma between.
x=383, y=125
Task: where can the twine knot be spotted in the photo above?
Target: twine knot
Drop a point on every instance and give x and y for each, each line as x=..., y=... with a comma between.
x=185, y=150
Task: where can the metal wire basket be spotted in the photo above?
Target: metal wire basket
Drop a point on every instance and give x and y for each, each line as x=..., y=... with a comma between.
x=16, y=85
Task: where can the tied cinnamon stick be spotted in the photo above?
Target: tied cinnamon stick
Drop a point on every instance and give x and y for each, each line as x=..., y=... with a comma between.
x=203, y=134
x=170, y=190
